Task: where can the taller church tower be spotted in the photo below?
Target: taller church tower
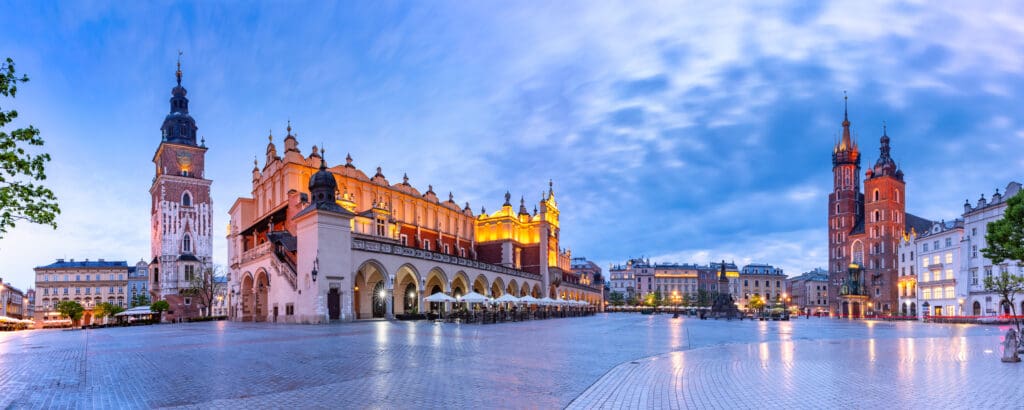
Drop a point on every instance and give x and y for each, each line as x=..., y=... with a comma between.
x=181, y=231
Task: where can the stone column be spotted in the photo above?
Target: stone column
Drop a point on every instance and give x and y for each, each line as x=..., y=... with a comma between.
x=389, y=303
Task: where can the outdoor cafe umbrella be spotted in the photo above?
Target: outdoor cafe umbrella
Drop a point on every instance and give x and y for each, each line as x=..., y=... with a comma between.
x=439, y=297
x=529, y=300
x=546, y=301
x=507, y=298
x=473, y=297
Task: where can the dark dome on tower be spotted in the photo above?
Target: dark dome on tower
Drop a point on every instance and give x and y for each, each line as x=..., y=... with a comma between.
x=322, y=185
x=178, y=126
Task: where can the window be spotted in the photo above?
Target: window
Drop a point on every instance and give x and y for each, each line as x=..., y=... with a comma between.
x=924, y=263
x=381, y=227
x=974, y=251
x=949, y=242
x=936, y=244
x=935, y=260
x=65, y=291
x=289, y=309
x=190, y=272
x=988, y=272
x=447, y=249
x=404, y=239
x=186, y=199
x=924, y=248
x=949, y=274
x=426, y=245
x=974, y=231
x=186, y=244
x=78, y=277
x=949, y=292
x=88, y=291
x=876, y=198
x=927, y=293
x=111, y=289
x=949, y=257
x=188, y=301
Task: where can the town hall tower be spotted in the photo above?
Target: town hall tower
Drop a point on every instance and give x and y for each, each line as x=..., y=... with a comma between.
x=181, y=231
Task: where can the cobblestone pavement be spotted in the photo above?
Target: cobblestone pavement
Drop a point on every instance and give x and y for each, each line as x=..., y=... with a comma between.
x=578, y=362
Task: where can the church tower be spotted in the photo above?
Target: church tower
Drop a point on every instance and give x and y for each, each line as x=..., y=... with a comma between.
x=181, y=231
x=884, y=221
x=845, y=205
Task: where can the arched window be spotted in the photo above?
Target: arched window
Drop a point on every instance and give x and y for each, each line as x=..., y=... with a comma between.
x=858, y=253
x=878, y=215
x=876, y=194
x=896, y=195
x=186, y=244
x=186, y=199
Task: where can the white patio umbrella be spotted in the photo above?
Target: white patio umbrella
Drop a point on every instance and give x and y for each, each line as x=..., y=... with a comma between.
x=529, y=300
x=546, y=301
x=507, y=298
x=439, y=297
x=473, y=297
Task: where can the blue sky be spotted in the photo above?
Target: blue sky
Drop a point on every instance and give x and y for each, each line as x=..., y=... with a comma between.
x=685, y=132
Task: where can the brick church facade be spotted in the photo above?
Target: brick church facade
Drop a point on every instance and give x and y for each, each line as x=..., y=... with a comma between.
x=181, y=215
x=865, y=228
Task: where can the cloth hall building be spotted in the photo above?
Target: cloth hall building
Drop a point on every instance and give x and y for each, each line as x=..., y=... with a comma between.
x=317, y=243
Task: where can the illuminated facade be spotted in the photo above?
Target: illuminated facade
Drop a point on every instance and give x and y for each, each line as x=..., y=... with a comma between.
x=929, y=266
x=809, y=291
x=761, y=280
x=86, y=282
x=865, y=230
x=676, y=283
x=316, y=243
x=181, y=209
x=976, y=267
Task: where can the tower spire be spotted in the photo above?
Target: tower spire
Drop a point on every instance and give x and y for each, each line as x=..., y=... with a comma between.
x=178, y=73
x=845, y=143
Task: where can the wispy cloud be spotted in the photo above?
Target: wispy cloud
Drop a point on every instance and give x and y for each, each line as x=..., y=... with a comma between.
x=692, y=131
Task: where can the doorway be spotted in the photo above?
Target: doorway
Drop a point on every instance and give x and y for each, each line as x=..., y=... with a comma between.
x=334, y=304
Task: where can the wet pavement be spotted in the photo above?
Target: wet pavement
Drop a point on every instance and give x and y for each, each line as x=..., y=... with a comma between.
x=615, y=361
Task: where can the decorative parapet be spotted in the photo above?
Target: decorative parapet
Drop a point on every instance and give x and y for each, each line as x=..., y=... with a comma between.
x=388, y=248
x=257, y=252
x=581, y=287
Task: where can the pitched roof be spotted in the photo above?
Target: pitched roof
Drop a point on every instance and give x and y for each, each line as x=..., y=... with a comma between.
x=918, y=223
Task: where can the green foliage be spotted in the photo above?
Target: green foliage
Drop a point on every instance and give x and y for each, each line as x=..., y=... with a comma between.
x=755, y=303
x=21, y=199
x=653, y=299
x=1007, y=286
x=616, y=299
x=104, y=309
x=140, y=299
x=70, y=309
x=1005, y=237
x=160, y=306
x=704, y=298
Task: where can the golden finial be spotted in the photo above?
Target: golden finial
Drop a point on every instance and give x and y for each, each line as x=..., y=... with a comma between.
x=178, y=73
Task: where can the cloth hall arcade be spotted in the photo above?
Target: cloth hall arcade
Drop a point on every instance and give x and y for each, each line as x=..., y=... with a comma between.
x=318, y=243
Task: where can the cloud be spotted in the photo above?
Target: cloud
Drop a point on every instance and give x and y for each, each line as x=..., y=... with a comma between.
x=694, y=131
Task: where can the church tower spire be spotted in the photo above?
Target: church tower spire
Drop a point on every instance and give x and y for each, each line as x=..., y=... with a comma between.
x=178, y=126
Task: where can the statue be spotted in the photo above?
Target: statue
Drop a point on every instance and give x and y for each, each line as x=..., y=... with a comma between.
x=1010, y=347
